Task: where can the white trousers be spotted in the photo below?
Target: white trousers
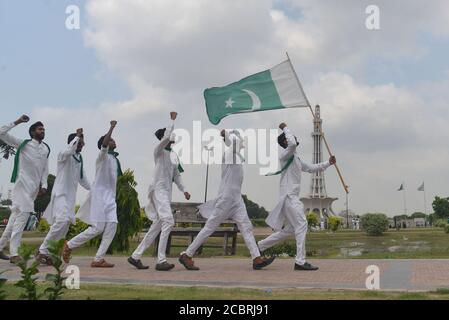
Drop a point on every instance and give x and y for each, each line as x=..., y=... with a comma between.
x=222, y=212
x=58, y=231
x=296, y=225
x=13, y=232
x=162, y=226
x=108, y=229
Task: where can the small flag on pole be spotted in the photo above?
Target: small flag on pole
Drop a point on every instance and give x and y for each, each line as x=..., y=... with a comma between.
x=421, y=188
x=401, y=188
x=277, y=88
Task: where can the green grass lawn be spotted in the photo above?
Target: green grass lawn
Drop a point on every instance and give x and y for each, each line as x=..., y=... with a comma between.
x=424, y=243
x=133, y=292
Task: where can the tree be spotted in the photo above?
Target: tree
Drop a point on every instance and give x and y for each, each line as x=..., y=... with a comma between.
x=42, y=202
x=441, y=207
x=128, y=213
x=312, y=219
x=254, y=210
x=418, y=215
x=6, y=202
x=375, y=224
x=6, y=151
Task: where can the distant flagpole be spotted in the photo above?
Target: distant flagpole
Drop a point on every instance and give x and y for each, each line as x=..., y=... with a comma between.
x=402, y=188
x=345, y=186
x=423, y=189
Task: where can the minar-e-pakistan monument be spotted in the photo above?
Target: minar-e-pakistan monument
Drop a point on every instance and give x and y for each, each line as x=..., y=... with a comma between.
x=318, y=202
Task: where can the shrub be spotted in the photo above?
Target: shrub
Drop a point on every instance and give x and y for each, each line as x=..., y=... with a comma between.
x=440, y=223
x=57, y=289
x=312, y=219
x=2, y=283
x=285, y=248
x=259, y=223
x=446, y=229
x=334, y=223
x=29, y=272
x=374, y=224
x=76, y=229
x=43, y=226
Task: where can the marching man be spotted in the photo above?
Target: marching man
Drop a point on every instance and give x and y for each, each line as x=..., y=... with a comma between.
x=60, y=212
x=100, y=208
x=288, y=218
x=30, y=177
x=167, y=171
x=228, y=205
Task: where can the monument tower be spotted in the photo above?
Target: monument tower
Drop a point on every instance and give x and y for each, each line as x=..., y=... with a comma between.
x=318, y=202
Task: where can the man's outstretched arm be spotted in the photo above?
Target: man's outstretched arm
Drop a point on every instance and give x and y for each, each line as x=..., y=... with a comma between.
x=9, y=139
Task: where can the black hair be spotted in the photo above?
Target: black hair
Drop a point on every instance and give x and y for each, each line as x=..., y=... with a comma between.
x=71, y=137
x=281, y=140
x=160, y=133
x=100, y=142
x=34, y=127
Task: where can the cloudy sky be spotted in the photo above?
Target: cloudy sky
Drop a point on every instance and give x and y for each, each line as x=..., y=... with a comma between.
x=384, y=94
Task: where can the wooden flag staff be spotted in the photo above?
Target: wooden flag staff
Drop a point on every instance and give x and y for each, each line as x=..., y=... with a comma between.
x=346, y=187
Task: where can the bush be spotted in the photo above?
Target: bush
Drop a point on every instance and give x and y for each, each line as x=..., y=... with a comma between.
x=259, y=223
x=334, y=223
x=285, y=248
x=76, y=229
x=43, y=226
x=446, y=229
x=312, y=219
x=374, y=224
x=440, y=223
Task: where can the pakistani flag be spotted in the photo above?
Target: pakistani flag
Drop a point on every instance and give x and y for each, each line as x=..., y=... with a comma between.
x=421, y=188
x=277, y=88
x=401, y=188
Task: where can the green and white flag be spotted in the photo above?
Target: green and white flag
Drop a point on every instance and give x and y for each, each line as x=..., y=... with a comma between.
x=277, y=88
x=421, y=188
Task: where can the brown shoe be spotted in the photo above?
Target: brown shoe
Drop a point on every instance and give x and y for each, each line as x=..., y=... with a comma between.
x=66, y=253
x=188, y=262
x=43, y=259
x=101, y=264
x=15, y=260
x=260, y=263
x=164, y=266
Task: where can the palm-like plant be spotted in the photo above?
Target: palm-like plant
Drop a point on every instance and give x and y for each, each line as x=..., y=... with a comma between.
x=5, y=150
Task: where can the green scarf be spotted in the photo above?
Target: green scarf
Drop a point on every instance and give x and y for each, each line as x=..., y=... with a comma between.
x=180, y=168
x=119, y=167
x=15, y=172
x=285, y=167
x=80, y=160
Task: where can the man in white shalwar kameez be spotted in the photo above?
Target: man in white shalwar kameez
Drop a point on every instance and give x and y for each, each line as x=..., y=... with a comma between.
x=167, y=171
x=60, y=213
x=30, y=177
x=100, y=209
x=228, y=205
x=288, y=218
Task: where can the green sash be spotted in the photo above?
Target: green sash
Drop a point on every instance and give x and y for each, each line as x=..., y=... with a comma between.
x=80, y=160
x=180, y=168
x=119, y=166
x=15, y=172
x=285, y=167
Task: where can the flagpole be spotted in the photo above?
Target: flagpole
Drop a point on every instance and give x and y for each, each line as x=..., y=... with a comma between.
x=345, y=186
x=425, y=201
x=405, y=200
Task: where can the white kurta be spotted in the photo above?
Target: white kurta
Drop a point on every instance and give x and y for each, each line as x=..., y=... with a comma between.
x=229, y=204
x=101, y=205
x=165, y=174
x=290, y=184
x=230, y=189
x=33, y=170
x=63, y=197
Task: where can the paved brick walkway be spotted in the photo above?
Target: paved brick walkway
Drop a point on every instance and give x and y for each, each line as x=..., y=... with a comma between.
x=401, y=275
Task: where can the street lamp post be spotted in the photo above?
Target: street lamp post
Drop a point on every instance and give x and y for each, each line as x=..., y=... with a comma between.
x=209, y=149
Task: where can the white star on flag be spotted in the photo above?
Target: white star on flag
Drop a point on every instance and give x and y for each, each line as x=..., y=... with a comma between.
x=229, y=103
